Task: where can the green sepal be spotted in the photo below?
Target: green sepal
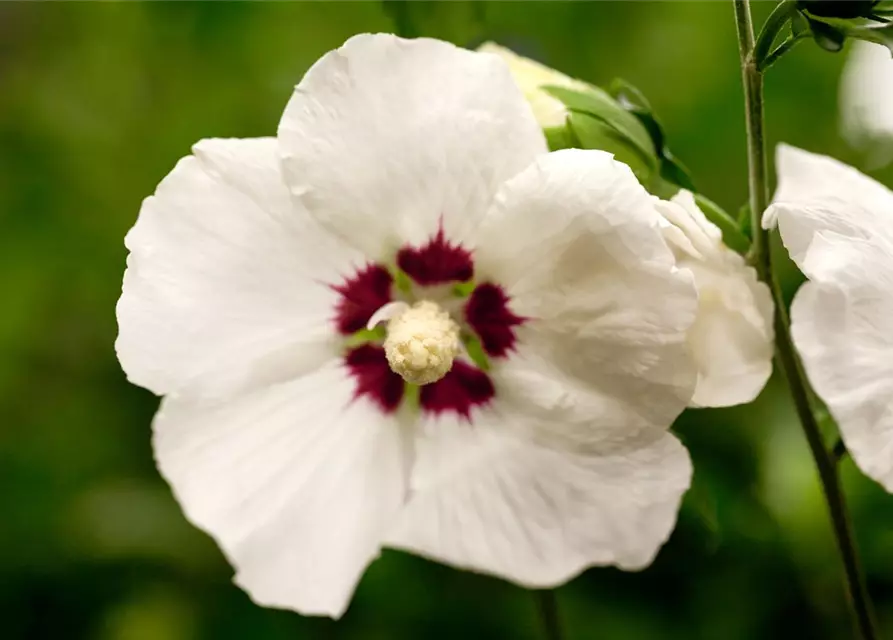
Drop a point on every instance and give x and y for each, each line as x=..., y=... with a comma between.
x=799, y=25
x=830, y=33
x=587, y=132
x=634, y=102
x=599, y=105
x=732, y=235
x=672, y=169
x=559, y=138
x=828, y=36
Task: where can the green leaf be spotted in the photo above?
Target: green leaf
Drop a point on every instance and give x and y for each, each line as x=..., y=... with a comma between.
x=588, y=132
x=731, y=233
x=598, y=104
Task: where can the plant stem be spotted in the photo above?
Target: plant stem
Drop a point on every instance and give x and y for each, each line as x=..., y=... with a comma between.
x=786, y=355
x=548, y=608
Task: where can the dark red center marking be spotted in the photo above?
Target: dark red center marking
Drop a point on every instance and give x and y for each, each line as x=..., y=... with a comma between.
x=361, y=296
x=374, y=378
x=487, y=312
x=436, y=262
x=464, y=387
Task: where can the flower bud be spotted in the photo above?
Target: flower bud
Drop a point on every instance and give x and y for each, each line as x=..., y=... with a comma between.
x=576, y=114
x=531, y=76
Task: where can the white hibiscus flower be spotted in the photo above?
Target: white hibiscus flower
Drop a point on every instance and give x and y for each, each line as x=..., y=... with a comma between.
x=414, y=172
x=837, y=225
x=732, y=339
x=866, y=100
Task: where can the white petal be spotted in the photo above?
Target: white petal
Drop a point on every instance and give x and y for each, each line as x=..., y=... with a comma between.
x=296, y=482
x=386, y=138
x=226, y=282
x=576, y=242
x=487, y=498
x=732, y=337
x=816, y=192
x=866, y=100
x=836, y=225
x=840, y=324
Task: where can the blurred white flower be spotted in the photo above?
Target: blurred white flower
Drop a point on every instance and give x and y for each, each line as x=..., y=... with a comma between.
x=531, y=76
x=837, y=225
x=866, y=101
x=732, y=339
x=413, y=172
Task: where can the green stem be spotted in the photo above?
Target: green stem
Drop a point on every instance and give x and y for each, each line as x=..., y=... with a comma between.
x=786, y=355
x=548, y=609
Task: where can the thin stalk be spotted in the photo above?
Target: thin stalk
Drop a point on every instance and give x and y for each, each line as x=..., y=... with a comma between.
x=548, y=610
x=785, y=354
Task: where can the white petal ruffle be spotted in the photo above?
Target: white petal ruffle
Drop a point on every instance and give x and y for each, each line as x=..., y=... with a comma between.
x=297, y=482
x=732, y=339
x=211, y=302
x=385, y=139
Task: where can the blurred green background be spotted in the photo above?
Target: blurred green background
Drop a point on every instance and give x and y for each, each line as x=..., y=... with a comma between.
x=99, y=100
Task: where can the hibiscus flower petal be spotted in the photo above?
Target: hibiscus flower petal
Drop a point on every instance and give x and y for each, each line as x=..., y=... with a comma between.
x=385, y=139
x=487, y=498
x=228, y=281
x=296, y=482
x=816, y=193
x=606, y=311
x=732, y=339
x=836, y=224
x=840, y=324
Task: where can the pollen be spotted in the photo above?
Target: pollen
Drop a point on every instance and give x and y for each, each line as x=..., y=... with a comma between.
x=422, y=342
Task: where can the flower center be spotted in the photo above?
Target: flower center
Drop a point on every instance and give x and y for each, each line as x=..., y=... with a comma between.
x=421, y=343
